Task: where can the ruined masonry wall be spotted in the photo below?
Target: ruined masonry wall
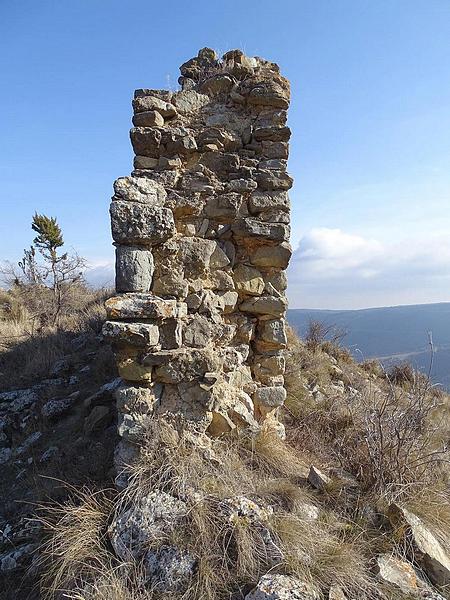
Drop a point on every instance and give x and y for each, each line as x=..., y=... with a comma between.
x=201, y=230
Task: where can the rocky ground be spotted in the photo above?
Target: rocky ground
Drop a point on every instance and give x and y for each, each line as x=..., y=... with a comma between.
x=332, y=512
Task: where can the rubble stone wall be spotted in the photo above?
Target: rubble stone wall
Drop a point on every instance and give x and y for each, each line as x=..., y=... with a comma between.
x=201, y=230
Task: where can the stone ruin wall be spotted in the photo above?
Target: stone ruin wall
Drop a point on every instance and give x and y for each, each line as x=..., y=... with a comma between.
x=201, y=230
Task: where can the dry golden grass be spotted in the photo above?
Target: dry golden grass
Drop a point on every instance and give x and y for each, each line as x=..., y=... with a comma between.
x=231, y=555
x=28, y=351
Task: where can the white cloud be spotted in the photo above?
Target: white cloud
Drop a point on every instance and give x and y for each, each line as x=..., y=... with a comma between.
x=100, y=273
x=330, y=251
x=335, y=269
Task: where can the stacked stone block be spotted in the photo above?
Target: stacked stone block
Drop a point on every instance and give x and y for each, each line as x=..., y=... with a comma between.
x=201, y=230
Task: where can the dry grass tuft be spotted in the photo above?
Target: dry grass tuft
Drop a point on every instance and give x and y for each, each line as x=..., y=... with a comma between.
x=231, y=554
x=75, y=549
x=27, y=348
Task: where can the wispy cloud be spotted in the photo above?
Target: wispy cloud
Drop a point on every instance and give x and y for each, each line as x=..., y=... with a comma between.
x=100, y=273
x=336, y=269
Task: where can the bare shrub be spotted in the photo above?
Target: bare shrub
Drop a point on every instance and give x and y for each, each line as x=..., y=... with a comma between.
x=402, y=374
x=320, y=333
x=27, y=352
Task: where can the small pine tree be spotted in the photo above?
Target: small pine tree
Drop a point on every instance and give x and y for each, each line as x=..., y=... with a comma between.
x=50, y=281
x=49, y=236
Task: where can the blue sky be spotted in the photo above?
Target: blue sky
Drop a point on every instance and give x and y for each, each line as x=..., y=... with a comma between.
x=370, y=115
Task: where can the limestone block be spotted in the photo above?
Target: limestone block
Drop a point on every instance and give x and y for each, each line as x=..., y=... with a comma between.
x=189, y=101
x=251, y=227
x=241, y=186
x=170, y=284
x=274, y=216
x=165, y=95
x=317, y=478
x=273, y=134
x=268, y=399
x=248, y=281
x=272, y=256
x=262, y=201
x=139, y=189
x=273, y=180
x=150, y=118
x=269, y=94
x=273, y=164
x=145, y=162
x=168, y=569
x=130, y=369
x=134, y=223
x=265, y=305
x=275, y=149
x=143, y=306
x=183, y=364
x=146, y=141
x=435, y=559
x=282, y=587
x=275, y=280
x=221, y=163
x=135, y=334
x=171, y=334
x=151, y=103
x=134, y=528
x=134, y=269
x=178, y=142
x=137, y=399
x=271, y=335
x=265, y=368
x=224, y=208
x=217, y=84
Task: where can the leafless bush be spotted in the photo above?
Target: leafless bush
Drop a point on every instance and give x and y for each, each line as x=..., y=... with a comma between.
x=320, y=333
x=402, y=373
x=389, y=439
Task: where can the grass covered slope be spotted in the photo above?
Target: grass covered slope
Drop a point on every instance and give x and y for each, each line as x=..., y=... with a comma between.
x=247, y=516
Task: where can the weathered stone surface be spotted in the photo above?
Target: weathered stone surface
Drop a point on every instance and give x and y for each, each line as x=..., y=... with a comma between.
x=144, y=104
x=272, y=335
x=189, y=101
x=248, y=280
x=139, y=189
x=145, y=163
x=134, y=269
x=261, y=201
x=249, y=227
x=272, y=256
x=150, y=118
x=398, y=572
x=143, y=306
x=146, y=141
x=56, y=407
x=435, y=559
x=183, y=364
x=282, y=587
x=169, y=569
x=268, y=399
x=134, y=529
x=134, y=223
x=135, y=334
x=265, y=305
x=317, y=478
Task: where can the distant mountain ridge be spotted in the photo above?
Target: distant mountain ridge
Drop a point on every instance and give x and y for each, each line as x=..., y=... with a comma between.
x=396, y=333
